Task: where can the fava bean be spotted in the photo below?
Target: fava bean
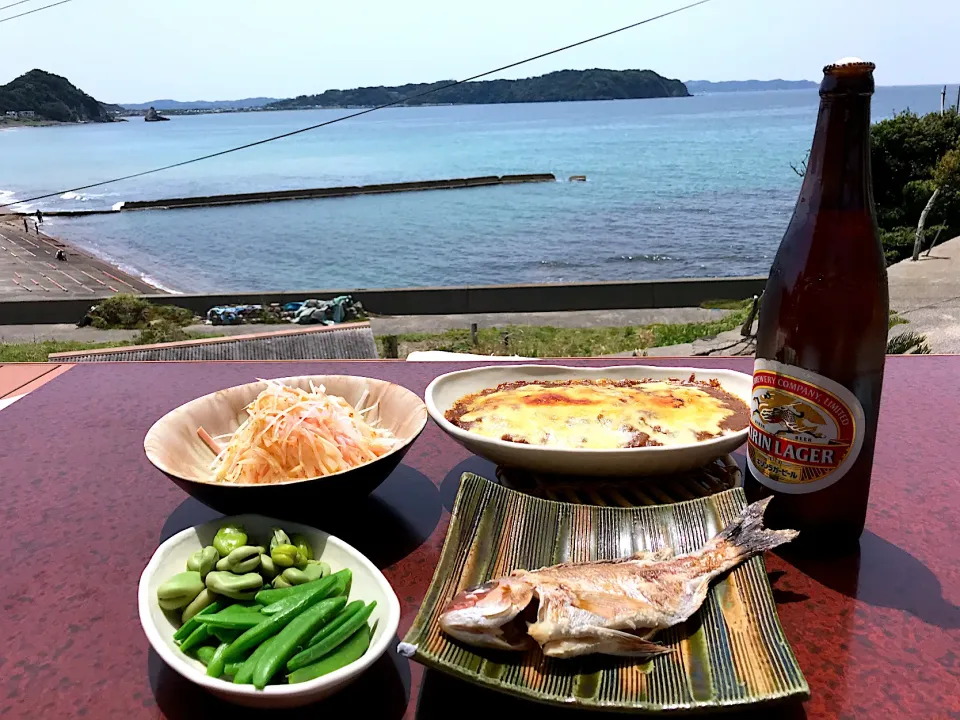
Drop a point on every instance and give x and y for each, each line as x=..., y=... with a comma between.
x=303, y=545
x=204, y=600
x=238, y=587
x=244, y=559
x=267, y=567
x=313, y=653
x=180, y=590
x=287, y=556
x=351, y=651
x=279, y=537
x=229, y=538
x=203, y=561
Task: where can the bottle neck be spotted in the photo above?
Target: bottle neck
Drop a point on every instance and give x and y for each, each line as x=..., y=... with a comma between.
x=838, y=170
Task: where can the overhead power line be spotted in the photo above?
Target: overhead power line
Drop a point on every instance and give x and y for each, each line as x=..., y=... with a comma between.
x=21, y=2
x=401, y=101
x=31, y=12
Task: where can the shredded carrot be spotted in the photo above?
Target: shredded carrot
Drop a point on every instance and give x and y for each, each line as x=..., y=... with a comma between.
x=293, y=434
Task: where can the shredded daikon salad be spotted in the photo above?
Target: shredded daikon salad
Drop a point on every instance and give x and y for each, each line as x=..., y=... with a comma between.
x=292, y=434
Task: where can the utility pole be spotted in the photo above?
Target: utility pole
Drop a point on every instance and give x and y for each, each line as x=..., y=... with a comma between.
x=958, y=98
x=943, y=99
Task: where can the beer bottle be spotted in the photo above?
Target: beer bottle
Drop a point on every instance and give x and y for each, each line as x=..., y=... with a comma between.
x=822, y=333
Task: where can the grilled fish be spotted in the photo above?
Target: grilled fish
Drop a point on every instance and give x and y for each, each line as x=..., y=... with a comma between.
x=611, y=607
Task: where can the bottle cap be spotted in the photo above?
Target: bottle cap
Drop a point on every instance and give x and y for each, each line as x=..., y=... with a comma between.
x=849, y=66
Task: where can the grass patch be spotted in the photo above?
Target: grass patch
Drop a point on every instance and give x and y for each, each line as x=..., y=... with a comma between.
x=727, y=304
x=38, y=351
x=546, y=341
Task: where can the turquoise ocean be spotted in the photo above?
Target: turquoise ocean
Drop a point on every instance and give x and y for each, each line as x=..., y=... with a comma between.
x=682, y=187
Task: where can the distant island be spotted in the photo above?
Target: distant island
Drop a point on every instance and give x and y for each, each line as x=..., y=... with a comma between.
x=560, y=86
x=705, y=86
x=164, y=105
x=39, y=96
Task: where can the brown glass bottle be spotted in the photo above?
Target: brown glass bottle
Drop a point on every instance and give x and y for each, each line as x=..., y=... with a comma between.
x=822, y=334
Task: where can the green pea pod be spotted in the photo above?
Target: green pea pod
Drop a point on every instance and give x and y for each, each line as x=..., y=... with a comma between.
x=180, y=590
x=232, y=668
x=297, y=632
x=228, y=538
x=332, y=641
x=224, y=635
x=217, y=662
x=232, y=621
x=327, y=587
x=286, y=556
x=303, y=545
x=345, y=614
x=238, y=587
x=245, y=675
x=351, y=651
x=196, y=638
x=279, y=537
x=270, y=626
x=205, y=654
x=192, y=624
x=204, y=600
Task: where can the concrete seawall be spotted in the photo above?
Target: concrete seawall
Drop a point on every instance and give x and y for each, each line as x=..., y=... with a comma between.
x=313, y=193
x=641, y=294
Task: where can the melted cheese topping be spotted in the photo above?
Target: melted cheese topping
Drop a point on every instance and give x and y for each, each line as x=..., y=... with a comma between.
x=601, y=414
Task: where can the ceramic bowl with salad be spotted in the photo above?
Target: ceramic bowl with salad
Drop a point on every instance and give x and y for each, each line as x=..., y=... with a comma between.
x=266, y=613
x=288, y=442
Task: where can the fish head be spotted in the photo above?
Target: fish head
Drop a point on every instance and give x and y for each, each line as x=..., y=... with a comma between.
x=491, y=615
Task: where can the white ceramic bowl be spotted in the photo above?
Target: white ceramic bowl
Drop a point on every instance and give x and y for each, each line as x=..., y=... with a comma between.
x=368, y=584
x=445, y=390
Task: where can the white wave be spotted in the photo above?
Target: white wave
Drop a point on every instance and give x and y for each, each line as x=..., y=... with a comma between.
x=72, y=196
x=8, y=198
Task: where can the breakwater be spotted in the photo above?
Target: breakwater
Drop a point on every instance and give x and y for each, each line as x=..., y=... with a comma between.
x=201, y=201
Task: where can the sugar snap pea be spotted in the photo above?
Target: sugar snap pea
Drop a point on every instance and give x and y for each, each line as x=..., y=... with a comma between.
x=224, y=634
x=197, y=637
x=193, y=623
x=233, y=621
x=205, y=653
x=331, y=641
x=244, y=675
x=217, y=662
x=353, y=649
x=344, y=615
x=273, y=624
x=297, y=632
x=231, y=668
x=289, y=596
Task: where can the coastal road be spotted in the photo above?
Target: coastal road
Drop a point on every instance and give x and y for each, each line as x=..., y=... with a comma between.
x=29, y=268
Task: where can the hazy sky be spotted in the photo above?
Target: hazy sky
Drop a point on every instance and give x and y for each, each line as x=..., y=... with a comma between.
x=139, y=50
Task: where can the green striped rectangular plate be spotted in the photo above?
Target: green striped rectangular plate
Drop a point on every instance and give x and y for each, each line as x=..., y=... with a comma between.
x=732, y=653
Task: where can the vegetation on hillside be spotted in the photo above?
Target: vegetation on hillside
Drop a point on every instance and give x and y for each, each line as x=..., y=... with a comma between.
x=129, y=312
x=561, y=86
x=51, y=97
x=912, y=156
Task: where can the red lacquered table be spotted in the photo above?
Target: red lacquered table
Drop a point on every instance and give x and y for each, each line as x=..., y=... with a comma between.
x=877, y=634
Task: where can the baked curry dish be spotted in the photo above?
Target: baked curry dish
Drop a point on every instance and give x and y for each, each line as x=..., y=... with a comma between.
x=602, y=414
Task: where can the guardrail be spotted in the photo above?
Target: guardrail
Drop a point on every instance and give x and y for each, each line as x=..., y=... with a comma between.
x=640, y=294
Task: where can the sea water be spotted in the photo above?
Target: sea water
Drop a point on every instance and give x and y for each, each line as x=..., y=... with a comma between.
x=679, y=187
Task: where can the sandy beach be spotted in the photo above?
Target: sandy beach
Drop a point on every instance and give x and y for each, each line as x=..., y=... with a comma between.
x=29, y=268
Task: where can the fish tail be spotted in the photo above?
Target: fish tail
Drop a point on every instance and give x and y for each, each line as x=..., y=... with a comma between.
x=747, y=534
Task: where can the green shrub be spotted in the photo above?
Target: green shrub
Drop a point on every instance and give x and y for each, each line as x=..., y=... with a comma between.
x=160, y=331
x=908, y=343
x=129, y=312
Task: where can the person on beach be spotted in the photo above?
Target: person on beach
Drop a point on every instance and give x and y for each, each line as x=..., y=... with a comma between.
x=26, y=228
x=61, y=256
x=39, y=217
